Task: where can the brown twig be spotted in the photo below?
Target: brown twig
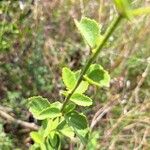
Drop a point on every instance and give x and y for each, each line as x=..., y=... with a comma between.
x=102, y=111
x=144, y=75
x=124, y=116
x=143, y=139
x=10, y=119
x=109, y=132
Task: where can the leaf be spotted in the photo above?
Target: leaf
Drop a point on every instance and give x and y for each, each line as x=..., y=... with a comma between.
x=43, y=146
x=62, y=124
x=69, y=78
x=70, y=107
x=35, y=146
x=51, y=126
x=141, y=11
x=82, y=87
x=77, y=120
x=50, y=112
x=96, y=75
x=82, y=135
x=81, y=99
x=56, y=104
x=124, y=7
x=90, y=30
x=54, y=141
x=38, y=104
x=42, y=109
x=66, y=130
x=48, y=145
x=36, y=137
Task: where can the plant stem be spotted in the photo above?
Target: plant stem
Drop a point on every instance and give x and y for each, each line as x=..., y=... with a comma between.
x=92, y=57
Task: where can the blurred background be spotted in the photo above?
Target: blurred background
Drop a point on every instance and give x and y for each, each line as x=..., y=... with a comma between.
x=39, y=37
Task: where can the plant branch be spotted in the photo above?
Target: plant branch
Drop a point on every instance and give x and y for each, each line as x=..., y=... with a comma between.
x=107, y=34
x=10, y=119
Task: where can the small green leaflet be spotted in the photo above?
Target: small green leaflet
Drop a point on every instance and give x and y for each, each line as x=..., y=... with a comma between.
x=35, y=146
x=66, y=130
x=41, y=108
x=82, y=87
x=38, y=103
x=70, y=107
x=56, y=104
x=50, y=112
x=53, y=142
x=70, y=80
x=141, y=11
x=51, y=126
x=90, y=30
x=38, y=139
x=82, y=135
x=77, y=120
x=81, y=99
x=36, y=136
x=96, y=75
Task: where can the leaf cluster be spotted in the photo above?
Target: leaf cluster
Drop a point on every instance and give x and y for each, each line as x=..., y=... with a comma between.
x=63, y=119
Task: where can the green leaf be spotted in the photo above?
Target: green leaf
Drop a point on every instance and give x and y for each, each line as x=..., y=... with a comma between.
x=66, y=130
x=37, y=104
x=96, y=75
x=50, y=112
x=82, y=87
x=77, y=120
x=43, y=146
x=56, y=104
x=124, y=7
x=70, y=107
x=36, y=137
x=54, y=141
x=51, y=126
x=35, y=146
x=42, y=109
x=82, y=135
x=90, y=30
x=81, y=99
x=141, y=11
x=48, y=145
x=62, y=124
x=69, y=78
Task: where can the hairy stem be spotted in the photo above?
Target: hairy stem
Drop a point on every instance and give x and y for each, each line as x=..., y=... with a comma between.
x=92, y=57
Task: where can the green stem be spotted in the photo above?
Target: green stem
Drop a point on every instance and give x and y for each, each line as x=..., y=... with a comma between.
x=107, y=34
